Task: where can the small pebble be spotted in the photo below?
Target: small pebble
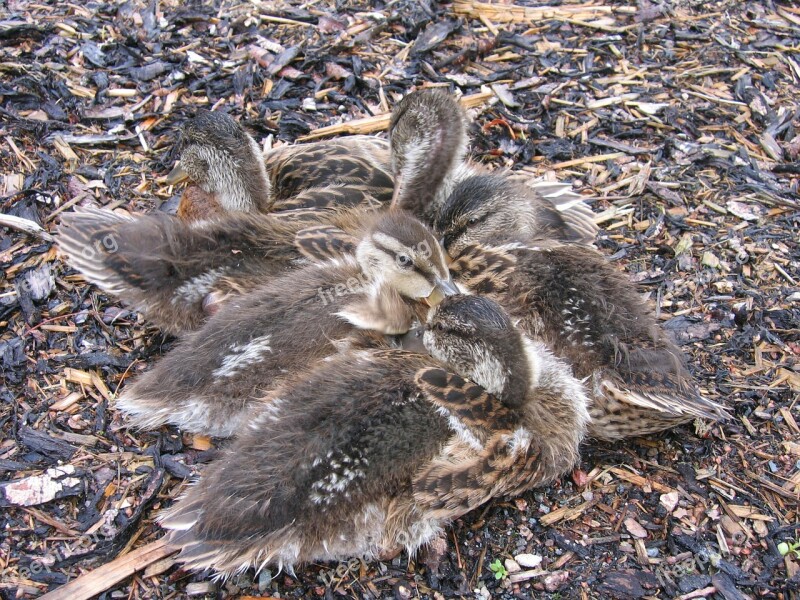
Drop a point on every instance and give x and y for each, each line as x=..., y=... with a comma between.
x=264, y=580
x=529, y=561
x=201, y=588
x=511, y=565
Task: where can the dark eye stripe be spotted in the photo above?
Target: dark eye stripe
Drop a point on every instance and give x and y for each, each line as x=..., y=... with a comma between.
x=429, y=277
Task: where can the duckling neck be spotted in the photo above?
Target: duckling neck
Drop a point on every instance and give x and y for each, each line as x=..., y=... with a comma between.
x=556, y=408
x=250, y=189
x=432, y=165
x=502, y=374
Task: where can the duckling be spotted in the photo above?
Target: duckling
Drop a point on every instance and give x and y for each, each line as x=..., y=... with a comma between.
x=428, y=138
x=418, y=168
x=215, y=147
x=178, y=273
x=211, y=379
x=224, y=161
x=490, y=208
x=377, y=450
x=572, y=299
x=174, y=272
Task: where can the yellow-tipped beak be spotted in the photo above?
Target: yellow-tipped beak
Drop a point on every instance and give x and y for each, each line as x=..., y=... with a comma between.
x=442, y=289
x=177, y=175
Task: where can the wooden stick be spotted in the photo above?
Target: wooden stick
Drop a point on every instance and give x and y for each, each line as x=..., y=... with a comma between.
x=26, y=225
x=381, y=122
x=103, y=578
x=512, y=13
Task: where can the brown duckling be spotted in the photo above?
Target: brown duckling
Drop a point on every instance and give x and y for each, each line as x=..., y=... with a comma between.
x=378, y=449
x=224, y=161
x=210, y=380
x=428, y=138
x=490, y=208
x=572, y=299
x=176, y=273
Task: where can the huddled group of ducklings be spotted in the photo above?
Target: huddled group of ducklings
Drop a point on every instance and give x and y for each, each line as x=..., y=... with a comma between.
x=391, y=335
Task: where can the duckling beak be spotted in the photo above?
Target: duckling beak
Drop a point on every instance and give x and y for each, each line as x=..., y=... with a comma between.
x=177, y=175
x=442, y=289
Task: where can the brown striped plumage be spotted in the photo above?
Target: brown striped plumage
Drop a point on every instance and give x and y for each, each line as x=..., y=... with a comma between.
x=224, y=161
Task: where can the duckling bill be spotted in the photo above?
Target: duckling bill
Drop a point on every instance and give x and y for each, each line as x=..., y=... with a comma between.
x=378, y=449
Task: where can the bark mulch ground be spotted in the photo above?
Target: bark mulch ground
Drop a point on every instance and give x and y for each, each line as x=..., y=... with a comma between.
x=677, y=120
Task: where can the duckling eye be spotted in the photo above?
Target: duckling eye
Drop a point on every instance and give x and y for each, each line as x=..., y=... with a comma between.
x=473, y=221
x=438, y=326
x=404, y=260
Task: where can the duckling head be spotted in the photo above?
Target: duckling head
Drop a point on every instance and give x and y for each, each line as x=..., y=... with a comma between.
x=492, y=208
x=225, y=161
x=399, y=252
x=428, y=138
x=476, y=338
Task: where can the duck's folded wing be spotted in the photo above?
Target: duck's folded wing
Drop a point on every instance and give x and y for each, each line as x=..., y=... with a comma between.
x=345, y=193
x=477, y=462
x=166, y=268
x=324, y=242
x=359, y=159
x=484, y=270
x=465, y=402
x=577, y=215
x=667, y=395
x=460, y=479
x=656, y=379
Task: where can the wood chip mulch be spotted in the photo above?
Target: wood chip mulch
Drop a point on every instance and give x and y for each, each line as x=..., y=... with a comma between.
x=678, y=120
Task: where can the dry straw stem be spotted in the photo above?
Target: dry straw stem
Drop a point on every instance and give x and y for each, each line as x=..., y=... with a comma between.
x=504, y=13
x=381, y=122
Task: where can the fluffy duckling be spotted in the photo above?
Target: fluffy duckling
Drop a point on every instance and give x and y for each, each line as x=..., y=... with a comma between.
x=177, y=273
x=174, y=272
x=215, y=148
x=211, y=379
x=378, y=450
x=572, y=299
x=428, y=140
x=225, y=162
x=428, y=137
